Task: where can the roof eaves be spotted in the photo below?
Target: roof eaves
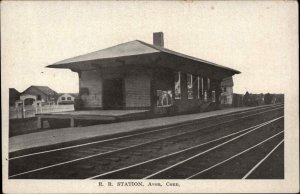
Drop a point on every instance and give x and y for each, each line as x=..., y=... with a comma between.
x=199, y=60
x=55, y=65
x=165, y=50
x=71, y=60
x=62, y=61
x=157, y=48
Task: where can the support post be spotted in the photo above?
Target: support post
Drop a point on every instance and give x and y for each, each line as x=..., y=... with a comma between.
x=72, y=123
x=23, y=109
x=40, y=123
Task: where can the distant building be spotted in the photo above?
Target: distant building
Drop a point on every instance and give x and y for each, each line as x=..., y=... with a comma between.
x=227, y=91
x=43, y=93
x=66, y=98
x=14, y=95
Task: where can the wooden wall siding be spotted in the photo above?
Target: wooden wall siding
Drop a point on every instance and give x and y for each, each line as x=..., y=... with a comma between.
x=137, y=90
x=110, y=73
x=163, y=80
x=93, y=82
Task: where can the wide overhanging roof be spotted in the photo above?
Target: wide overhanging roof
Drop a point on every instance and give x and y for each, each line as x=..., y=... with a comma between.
x=141, y=53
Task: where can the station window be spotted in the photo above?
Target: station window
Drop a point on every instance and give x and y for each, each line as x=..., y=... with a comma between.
x=63, y=98
x=177, y=86
x=69, y=98
x=200, y=87
x=213, y=96
x=190, y=86
x=164, y=98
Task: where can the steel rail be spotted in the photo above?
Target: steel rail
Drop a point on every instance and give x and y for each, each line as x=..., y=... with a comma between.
x=206, y=151
x=187, y=149
x=234, y=156
x=122, y=149
x=262, y=160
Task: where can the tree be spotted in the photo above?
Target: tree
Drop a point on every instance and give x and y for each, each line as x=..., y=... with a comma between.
x=268, y=98
x=246, y=99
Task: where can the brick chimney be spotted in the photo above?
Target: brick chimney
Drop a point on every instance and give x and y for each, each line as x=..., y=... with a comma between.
x=158, y=39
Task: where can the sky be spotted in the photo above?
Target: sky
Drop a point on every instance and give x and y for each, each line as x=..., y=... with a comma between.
x=257, y=38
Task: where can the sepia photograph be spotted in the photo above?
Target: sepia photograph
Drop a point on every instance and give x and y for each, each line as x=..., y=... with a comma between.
x=150, y=96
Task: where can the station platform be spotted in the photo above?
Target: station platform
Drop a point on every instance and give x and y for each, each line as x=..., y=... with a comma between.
x=87, y=117
x=55, y=136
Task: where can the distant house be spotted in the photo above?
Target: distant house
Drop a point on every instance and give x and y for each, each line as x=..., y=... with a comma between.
x=42, y=93
x=227, y=91
x=14, y=95
x=66, y=98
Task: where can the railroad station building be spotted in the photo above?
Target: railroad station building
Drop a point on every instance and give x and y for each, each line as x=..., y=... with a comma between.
x=138, y=75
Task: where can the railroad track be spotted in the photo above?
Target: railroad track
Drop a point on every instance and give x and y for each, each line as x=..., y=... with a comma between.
x=193, y=161
x=82, y=160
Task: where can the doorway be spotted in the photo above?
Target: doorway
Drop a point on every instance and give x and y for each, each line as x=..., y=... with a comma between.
x=113, y=97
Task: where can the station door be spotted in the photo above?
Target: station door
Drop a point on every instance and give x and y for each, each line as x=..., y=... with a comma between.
x=113, y=96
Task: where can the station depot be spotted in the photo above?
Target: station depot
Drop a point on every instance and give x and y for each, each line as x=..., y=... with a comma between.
x=139, y=76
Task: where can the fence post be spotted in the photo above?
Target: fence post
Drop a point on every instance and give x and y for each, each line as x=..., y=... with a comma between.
x=18, y=111
x=23, y=109
x=40, y=123
x=72, y=123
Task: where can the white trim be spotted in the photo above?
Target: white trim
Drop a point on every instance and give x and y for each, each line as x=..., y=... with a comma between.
x=190, y=97
x=198, y=80
x=202, y=86
x=213, y=96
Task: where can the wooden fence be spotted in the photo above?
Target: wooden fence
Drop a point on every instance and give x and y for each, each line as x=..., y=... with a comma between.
x=30, y=111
